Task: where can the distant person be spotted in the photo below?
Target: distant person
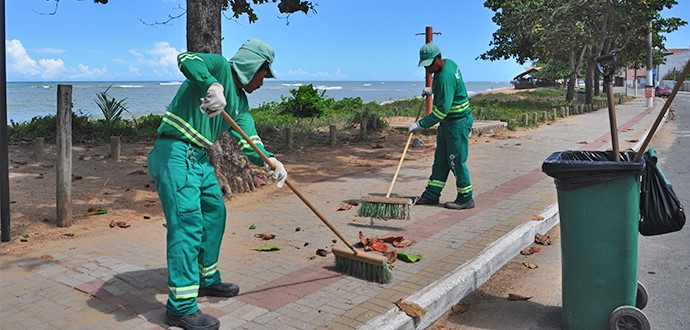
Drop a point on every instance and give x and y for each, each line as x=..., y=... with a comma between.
x=451, y=110
x=190, y=195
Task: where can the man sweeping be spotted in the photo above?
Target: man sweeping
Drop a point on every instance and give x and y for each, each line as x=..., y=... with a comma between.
x=190, y=195
x=451, y=110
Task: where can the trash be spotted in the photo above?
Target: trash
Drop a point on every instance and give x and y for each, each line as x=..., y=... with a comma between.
x=252, y=227
x=530, y=265
x=517, y=297
x=265, y=237
x=576, y=169
x=661, y=211
x=268, y=247
x=120, y=224
x=542, y=239
x=410, y=308
x=530, y=250
x=25, y=238
x=344, y=207
x=95, y=211
x=459, y=308
x=321, y=252
x=379, y=246
x=409, y=257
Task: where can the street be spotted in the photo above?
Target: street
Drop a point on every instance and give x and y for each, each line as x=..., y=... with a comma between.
x=663, y=262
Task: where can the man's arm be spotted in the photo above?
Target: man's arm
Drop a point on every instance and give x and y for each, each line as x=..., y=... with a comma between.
x=245, y=121
x=199, y=68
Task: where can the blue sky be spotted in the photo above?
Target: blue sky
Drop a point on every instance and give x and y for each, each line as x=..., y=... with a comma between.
x=345, y=40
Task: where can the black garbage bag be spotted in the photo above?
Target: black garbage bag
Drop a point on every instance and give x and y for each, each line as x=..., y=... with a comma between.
x=660, y=209
x=578, y=169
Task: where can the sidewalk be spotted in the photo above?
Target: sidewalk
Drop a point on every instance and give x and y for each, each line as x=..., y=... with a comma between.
x=118, y=281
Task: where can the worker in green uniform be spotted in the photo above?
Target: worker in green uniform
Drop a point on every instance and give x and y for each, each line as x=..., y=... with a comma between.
x=451, y=110
x=190, y=195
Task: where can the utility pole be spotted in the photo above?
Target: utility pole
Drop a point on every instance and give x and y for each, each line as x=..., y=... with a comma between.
x=429, y=36
x=4, y=153
x=649, y=88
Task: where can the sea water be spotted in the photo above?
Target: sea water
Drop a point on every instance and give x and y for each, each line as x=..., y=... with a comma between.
x=26, y=100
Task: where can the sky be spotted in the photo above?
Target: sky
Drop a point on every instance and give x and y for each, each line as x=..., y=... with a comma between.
x=355, y=40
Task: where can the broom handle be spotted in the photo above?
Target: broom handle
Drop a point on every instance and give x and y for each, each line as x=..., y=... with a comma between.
x=287, y=182
x=407, y=145
x=667, y=104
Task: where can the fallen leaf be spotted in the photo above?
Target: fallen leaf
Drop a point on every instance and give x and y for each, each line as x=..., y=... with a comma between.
x=68, y=234
x=530, y=265
x=542, y=239
x=530, y=250
x=403, y=243
x=265, y=237
x=138, y=172
x=392, y=256
x=268, y=247
x=259, y=182
x=379, y=246
x=47, y=257
x=353, y=202
x=76, y=177
x=253, y=226
x=363, y=239
x=390, y=239
x=633, y=141
x=344, y=207
x=517, y=297
x=410, y=308
x=376, y=146
x=582, y=142
x=459, y=308
x=409, y=257
x=537, y=218
x=121, y=224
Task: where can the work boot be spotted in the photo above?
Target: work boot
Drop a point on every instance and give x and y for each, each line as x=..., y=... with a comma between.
x=196, y=321
x=455, y=205
x=425, y=201
x=226, y=290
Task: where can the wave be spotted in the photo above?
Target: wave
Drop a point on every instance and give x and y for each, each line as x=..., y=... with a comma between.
x=291, y=85
x=41, y=86
x=328, y=87
x=170, y=83
x=128, y=86
x=367, y=84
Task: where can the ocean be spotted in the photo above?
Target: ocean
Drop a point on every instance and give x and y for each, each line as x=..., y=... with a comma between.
x=26, y=100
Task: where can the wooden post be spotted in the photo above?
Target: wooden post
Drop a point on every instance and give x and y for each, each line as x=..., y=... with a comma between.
x=64, y=156
x=115, y=148
x=363, y=128
x=332, y=135
x=544, y=117
x=525, y=119
x=39, y=149
x=535, y=117
x=289, y=142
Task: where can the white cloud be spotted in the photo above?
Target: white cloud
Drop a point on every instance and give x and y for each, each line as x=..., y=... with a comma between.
x=49, y=50
x=303, y=74
x=161, y=59
x=20, y=66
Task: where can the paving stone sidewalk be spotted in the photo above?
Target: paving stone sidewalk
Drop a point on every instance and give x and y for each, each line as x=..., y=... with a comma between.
x=118, y=281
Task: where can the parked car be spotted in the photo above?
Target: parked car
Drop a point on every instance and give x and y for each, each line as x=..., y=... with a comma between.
x=663, y=91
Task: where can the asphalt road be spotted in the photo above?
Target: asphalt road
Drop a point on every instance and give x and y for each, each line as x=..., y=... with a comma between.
x=663, y=262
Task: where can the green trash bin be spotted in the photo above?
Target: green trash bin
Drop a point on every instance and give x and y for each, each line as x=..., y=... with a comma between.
x=599, y=203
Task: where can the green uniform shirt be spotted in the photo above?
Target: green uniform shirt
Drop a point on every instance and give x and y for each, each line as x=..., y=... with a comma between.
x=184, y=119
x=450, y=96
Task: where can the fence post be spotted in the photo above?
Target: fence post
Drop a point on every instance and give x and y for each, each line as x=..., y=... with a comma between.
x=64, y=156
x=332, y=135
x=289, y=142
x=115, y=148
x=39, y=149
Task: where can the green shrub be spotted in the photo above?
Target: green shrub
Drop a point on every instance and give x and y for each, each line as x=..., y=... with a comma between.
x=305, y=102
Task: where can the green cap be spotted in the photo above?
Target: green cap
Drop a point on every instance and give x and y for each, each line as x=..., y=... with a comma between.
x=249, y=59
x=427, y=54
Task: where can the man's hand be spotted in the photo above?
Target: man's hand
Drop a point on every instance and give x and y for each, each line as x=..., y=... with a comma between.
x=413, y=127
x=214, y=102
x=426, y=92
x=278, y=172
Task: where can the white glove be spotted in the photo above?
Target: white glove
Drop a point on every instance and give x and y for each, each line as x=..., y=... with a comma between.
x=413, y=127
x=426, y=92
x=278, y=173
x=214, y=102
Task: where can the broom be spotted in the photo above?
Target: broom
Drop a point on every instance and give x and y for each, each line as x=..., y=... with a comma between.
x=386, y=207
x=359, y=264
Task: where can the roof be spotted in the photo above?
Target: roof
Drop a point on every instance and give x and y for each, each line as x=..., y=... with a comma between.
x=672, y=51
x=528, y=70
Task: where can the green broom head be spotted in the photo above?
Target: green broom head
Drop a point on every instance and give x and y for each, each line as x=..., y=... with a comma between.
x=385, y=208
x=362, y=265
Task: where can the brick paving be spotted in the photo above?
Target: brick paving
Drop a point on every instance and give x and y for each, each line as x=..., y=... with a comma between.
x=118, y=281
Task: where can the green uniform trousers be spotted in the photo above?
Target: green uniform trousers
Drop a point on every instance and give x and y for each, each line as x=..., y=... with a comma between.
x=452, y=142
x=195, y=213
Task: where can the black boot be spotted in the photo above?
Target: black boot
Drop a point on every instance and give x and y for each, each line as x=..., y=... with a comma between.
x=456, y=205
x=226, y=290
x=196, y=321
x=426, y=201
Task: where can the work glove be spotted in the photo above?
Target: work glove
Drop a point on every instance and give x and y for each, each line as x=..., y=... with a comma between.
x=278, y=173
x=214, y=102
x=413, y=127
x=426, y=92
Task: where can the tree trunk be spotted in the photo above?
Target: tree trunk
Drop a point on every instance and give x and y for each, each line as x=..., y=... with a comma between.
x=570, y=85
x=589, y=77
x=232, y=168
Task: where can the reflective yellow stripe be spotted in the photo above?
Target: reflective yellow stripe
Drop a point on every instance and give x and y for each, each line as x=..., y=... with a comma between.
x=243, y=144
x=187, y=130
x=184, y=292
x=187, y=56
x=436, y=183
x=460, y=107
x=465, y=190
x=208, y=271
x=438, y=114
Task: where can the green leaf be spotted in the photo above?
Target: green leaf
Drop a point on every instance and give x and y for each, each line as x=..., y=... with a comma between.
x=268, y=247
x=409, y=257
x=253, y=226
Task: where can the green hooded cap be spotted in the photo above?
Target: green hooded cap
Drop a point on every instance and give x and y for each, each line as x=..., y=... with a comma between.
x=250, y=57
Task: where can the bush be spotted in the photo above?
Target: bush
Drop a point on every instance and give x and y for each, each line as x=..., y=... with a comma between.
x=305, y=102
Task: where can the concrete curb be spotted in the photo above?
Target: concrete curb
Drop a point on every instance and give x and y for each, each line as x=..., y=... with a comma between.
x=453, y=287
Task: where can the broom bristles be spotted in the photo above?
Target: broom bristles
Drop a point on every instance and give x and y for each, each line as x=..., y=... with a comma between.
x=363, y=270
x=385, y=210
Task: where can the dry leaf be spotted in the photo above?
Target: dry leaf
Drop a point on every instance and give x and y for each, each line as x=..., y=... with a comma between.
x=379, y=246
x=265, y=237
x=530, y=250
x=542, y=239
x=376, y=146
x=403, y=243
x=459, y=308
x=517, y=297
x=120, y=224
x=344, y=207
x=537, y=218
x=530, y=265
x=390, y=239
x=138, y=172
x=47, y=257
x=363, y=239
x=582, y=142
x=410, y=308
x=392, y=256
